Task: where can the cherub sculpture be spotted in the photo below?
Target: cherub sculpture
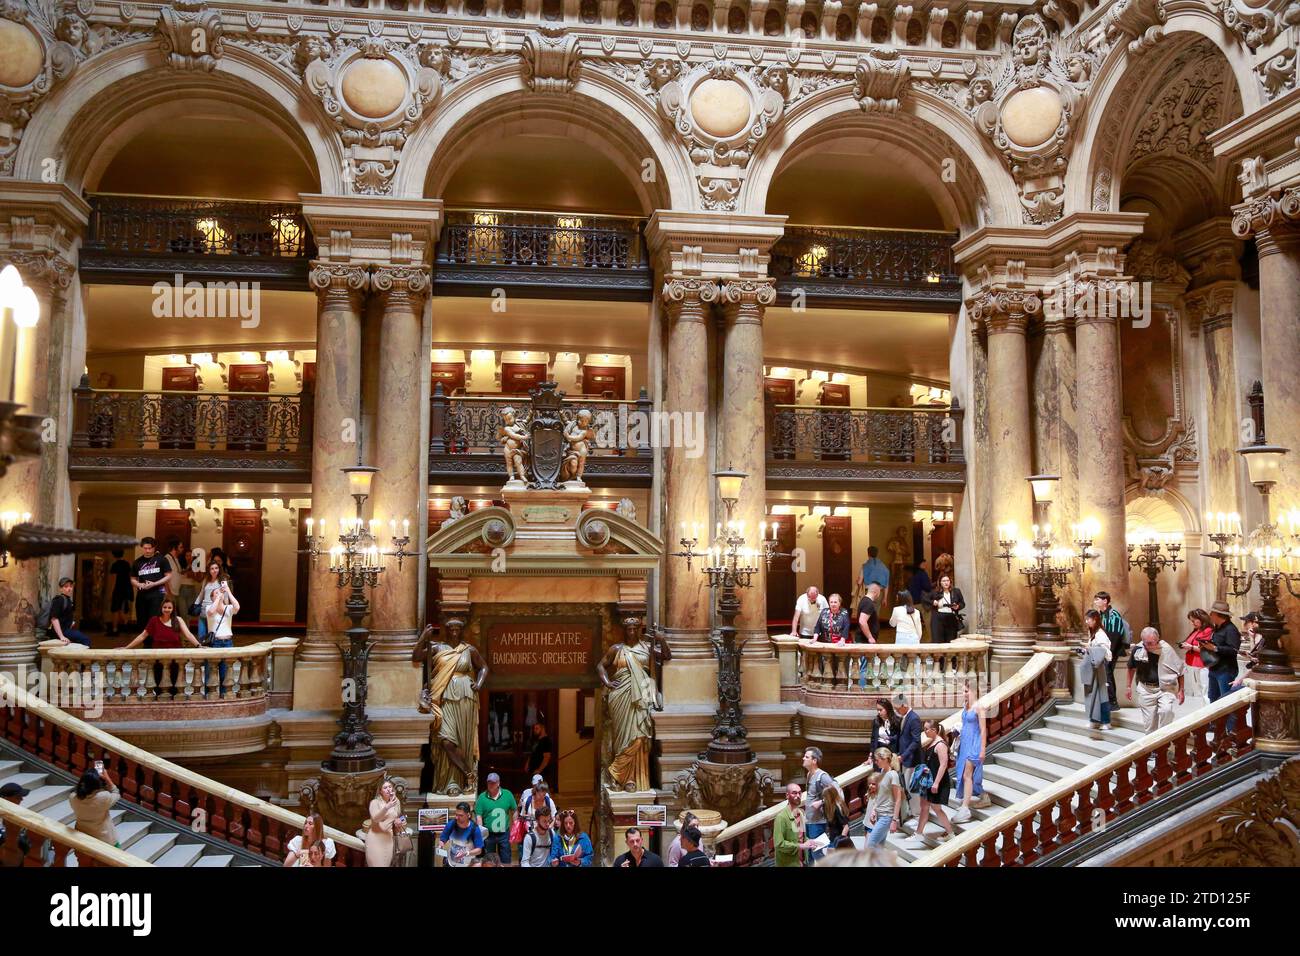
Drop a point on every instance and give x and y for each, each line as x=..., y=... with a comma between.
x=579, y=434
x=514, y=446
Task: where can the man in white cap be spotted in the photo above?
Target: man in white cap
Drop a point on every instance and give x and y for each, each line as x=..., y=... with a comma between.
x=537, y=797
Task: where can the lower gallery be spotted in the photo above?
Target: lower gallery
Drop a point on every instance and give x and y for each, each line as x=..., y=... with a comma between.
x=733, y=434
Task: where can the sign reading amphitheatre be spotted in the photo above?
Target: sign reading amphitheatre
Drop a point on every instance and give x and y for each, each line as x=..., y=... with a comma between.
x=540, y=647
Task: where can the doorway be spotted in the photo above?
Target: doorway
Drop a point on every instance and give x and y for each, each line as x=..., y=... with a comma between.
x=241, y=540
x=506, y=720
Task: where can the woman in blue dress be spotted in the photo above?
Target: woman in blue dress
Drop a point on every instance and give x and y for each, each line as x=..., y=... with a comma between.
x=970, y=755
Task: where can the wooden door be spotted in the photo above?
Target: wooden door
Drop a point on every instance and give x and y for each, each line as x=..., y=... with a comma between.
x=940, y=543
x=241, y=539
x=506, y=717
x=781, y=587
x=450, y=374
x=247, y=416
x=779, y=430
x=837, y=557
x=604, y=381
x=304, y=568
x=178, y=414
x=836, y=427
x=171, y=523
x=517, y=378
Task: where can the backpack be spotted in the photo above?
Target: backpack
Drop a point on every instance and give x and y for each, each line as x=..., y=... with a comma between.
x=43, y=619
x=530, y=844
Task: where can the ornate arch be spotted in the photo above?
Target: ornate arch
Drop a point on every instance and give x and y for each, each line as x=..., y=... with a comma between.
x=927, y=126
x=1123, y=88
x=606, y=116
x=1170, y=502
x=114, y=91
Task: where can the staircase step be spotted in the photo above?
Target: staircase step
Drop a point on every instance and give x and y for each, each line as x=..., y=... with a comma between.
x=185, y=854
x=129, y=832
x=1024, y=782
x=8, y=768
x=1130, y=717
x=152, y=845
x=1091, y=747
x=1081, y=726
x=45, y=796
x=215, y=859
x=1034, y=766
x=27, y=780
x=1067, y=760
x=1002, y=795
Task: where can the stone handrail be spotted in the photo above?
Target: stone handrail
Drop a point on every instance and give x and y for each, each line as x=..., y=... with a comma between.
x=185, y=683
x=1007, y=705
x=1064, y=811
x=155, y=784
x=853, y=675
x=90, y=851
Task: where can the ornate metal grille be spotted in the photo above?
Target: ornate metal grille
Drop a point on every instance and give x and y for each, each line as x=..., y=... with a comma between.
x=917, y=435
x=160, y=226
x=541, y=240
x=232, y=421
x=873, y=256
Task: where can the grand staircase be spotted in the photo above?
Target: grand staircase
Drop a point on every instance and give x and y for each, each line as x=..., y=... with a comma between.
x=147, y=837
x=1044, y=751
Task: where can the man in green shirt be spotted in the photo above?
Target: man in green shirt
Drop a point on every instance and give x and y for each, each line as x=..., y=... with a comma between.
x=495, y=810
x=787, y=834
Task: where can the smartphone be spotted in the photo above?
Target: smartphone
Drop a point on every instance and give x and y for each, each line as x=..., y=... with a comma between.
x=99, y=766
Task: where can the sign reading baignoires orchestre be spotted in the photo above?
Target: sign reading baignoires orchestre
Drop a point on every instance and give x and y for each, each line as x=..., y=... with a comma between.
x=553, y=646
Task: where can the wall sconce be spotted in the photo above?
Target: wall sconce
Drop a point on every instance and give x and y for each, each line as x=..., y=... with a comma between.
x=7, y=522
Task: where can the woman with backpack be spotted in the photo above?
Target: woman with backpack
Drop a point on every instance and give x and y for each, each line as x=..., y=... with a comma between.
x=933, y=787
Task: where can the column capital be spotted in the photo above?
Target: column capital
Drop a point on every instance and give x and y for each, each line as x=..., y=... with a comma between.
x=687, y=296
x=400, y=283
x=339, y=283
x=1004, y=307
x=1273, y=218
x=1209, y=307
x=745, y=299
x=47, y=272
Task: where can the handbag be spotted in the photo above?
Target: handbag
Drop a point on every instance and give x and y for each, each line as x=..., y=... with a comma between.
x=1209, y=654
x=402, y=845
x=922, y=780
x=517, y=830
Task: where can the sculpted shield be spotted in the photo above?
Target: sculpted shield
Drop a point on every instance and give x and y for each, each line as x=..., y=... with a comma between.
x=547, y=437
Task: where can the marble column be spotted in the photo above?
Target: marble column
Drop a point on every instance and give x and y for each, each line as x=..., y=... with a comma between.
x=33, y=484
x=340, y=288
x=1274, y=218
x=687, y=476
x=1056, y=427
x=401, y=453
x=1004, y=310
x=1210, y=308
x=1101, y=453
x=741, y=443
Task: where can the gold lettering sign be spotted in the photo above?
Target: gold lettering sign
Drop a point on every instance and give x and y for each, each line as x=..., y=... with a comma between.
x=540, y=647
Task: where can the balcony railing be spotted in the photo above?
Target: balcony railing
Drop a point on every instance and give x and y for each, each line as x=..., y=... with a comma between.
x=186, y=684
x=854, y=676
x=464, y=437
x=579, y=254
x=151, y=237
x=129, y=429
x=890, y=268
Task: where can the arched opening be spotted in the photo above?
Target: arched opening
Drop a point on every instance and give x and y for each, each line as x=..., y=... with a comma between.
x=589, y=12
x=808, y=24
x=772, y=23
x=514, y=9
x=737, y=18
x=915, y=32
x=663, y=16
x=948, y=36
x=626, y=13
x=700, y=18
x=983, y=37
x=475, y=7
x=879, y=30
x=843, y=27
x=552, y=10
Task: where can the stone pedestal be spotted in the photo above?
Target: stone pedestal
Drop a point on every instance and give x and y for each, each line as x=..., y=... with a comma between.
x=621, y=807
x=343, y=799
x=734, y=790
x=1062, y=668
x=787, y=656
x=1277, y=716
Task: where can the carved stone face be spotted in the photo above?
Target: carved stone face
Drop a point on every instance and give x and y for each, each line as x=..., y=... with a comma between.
x=454, y=630
x=71, y=30
x=981, y=90
x=632, y=630
x=777, y=80
x=309, y=50
x=662, y=72
x=1027, y=44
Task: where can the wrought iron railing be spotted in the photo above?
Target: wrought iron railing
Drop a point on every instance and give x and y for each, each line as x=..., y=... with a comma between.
x=884, y=435
x=229, y=421
x=480, y=237
x=164, y=226
x=873, y=256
